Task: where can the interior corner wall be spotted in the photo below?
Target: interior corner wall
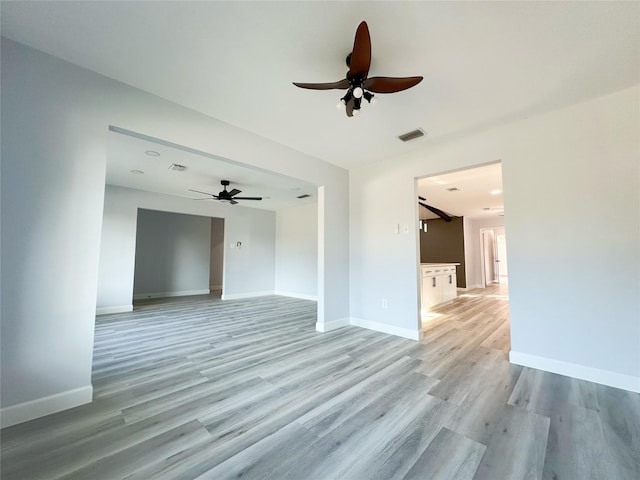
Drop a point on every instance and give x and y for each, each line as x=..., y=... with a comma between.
x=55, y=120
x=573, y=281
x=443, y=242
x=297, y=251
x=172, y=254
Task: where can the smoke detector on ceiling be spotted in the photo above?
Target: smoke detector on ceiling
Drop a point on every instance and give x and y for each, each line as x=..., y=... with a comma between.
x=177, y=167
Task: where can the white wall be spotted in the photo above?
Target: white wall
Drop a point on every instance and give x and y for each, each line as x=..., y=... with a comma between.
x=172, y=254
x=571, y=189
x=55, y=119
x=216, y=257
x=472, y=247
x=253, y=227
x=297, y=251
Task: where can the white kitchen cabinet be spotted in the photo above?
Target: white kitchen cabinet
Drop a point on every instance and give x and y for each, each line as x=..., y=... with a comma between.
x=438, y=284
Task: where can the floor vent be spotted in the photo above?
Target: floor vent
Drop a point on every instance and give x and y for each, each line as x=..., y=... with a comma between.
x=411, y=135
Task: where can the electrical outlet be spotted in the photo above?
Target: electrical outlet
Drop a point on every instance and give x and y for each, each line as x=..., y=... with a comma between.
x=384, y=303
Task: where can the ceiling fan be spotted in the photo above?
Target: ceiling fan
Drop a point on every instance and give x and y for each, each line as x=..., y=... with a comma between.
x=356, y=81
x=437, y=211
x=224, y=195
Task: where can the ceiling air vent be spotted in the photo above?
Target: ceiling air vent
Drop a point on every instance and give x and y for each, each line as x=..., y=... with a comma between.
x=177, y=167
x=411, y=135
x=453, y=189
x=304, y=195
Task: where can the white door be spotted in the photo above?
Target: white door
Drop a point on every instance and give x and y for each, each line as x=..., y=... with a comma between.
x=501, y=258
x=488, y=256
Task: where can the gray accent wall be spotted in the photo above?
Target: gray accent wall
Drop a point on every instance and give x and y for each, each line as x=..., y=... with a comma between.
x=172, y=254
x=216, y=260
x=443, y=242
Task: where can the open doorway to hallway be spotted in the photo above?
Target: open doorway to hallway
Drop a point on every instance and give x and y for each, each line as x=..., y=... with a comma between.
x=493, y=256
x=462, y=239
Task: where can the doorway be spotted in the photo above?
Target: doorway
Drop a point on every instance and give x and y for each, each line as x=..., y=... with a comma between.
x=472, y=200
x=493, y=256
x=177, y=255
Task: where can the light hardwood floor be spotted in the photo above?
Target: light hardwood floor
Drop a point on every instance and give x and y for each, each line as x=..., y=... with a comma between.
x=209, y=389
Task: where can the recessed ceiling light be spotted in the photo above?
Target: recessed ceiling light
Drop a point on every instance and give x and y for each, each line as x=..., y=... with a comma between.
x=152, y=153
x=495, y=192
x=137, y=172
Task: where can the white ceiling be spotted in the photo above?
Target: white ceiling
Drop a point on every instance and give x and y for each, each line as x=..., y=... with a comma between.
x=479, y=193
x=126, y=152
x=483, y=62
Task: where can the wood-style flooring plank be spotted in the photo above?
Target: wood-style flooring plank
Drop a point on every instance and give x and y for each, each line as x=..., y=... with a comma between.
x=449, y=457
x=197, y=387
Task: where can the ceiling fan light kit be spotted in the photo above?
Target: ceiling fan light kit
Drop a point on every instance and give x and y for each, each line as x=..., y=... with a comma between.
x=357, y=83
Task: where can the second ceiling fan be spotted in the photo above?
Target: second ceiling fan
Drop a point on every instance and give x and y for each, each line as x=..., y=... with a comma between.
x=226, y=196
x=357, y=82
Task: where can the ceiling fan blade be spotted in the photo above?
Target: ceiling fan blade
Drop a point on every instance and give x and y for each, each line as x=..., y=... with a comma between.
x=350, y=104
x=235, y=191
x=204, y=193
x=247, y=198
x=339, y=85
x=205, y=198
x=361, y=54
x=437, y=211
x=390, y=84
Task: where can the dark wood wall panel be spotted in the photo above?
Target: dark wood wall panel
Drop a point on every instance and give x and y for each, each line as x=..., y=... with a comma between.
x=444, y=243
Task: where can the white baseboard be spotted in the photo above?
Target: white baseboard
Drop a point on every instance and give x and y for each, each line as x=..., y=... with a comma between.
x=23, y=412
x=604, y=377
x=215, y=287
x=184, y=293
x=333, y=325
x=390, y=329
x=116, y=309
x=238, y=296
x=302, y=296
